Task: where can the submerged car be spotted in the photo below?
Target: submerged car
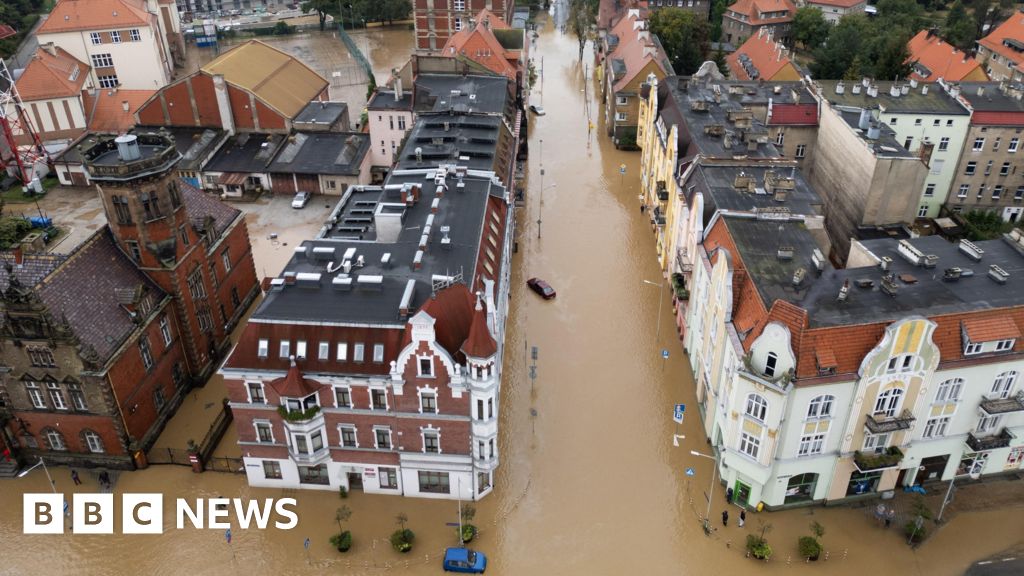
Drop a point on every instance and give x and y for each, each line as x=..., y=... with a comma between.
x=464, y=560
x=300, y=200
x=538, y=110
x=541, y=287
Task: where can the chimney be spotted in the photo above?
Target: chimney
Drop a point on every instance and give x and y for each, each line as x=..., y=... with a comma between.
x=865, y=82
x=865, y=118
x=856, y=88
x=19, y=256
x=927, y=146
x=220, y=89
x=50, y=48
x=981, y=90
x=398, y=88
x=905, y=89
x=873, y=91
x=924, y=90
x=874, y=131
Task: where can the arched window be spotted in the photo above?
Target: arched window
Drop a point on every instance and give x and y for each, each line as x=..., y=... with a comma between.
x=888, y=401
x=54, y=439
x=757, y=407
x=770, y=364
x=92, y=441
x=949, y=391
x=821, y=406
x=1004, y=384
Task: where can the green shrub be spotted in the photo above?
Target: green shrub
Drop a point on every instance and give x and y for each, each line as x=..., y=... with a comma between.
x=342, y=541
x=12, y=230
x=468, y=533
x=401, y=540
x=758, y=547
x=342, y=491
x=914, y=534
x=809, y=547
x=298, y=415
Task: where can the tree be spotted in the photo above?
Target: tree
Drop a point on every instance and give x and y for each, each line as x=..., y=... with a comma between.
x=684, y=37
x=898, y=13
x=833, y=58
x=810, y=27
x=961, y=29
x=889, y=53
x=321, y=7
x=717, y=10
x=581, y=19
x=392, y=10
x=854, y=72
x=720, y=61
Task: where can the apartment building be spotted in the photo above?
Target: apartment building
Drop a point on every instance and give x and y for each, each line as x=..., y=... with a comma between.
x=436, y=21
x=746, y=18
x=834, y=10
x=1002, y=49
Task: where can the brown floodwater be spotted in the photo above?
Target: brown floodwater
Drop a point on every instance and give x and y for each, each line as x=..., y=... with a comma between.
x=590, y=482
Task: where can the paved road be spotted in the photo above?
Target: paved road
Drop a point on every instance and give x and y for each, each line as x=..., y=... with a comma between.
x=998, y=566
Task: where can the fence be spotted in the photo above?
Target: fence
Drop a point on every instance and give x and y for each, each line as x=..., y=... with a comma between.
x=356, y=52
x=178, y=456
x=223, y=464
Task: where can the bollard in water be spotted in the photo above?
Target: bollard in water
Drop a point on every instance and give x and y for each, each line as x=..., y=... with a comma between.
x=826, y=555
x=426, y=558
x=845, y=552
x=728, y=543
x=748, y=554
x=808, y=560
x=789, y=560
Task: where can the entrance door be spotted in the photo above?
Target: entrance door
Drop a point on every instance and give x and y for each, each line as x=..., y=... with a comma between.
x=355, y=481
x=741, y=494
x=933, y=467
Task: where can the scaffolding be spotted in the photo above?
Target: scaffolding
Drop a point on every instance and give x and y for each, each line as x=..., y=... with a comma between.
x=28, y=160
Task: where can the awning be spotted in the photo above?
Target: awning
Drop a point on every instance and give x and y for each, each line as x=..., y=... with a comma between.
x=232, y=179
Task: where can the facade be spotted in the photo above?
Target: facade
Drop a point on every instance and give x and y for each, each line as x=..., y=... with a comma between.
x=746, y=18
x=819, y=386
x=762, y=58
x=834, y=10
x=490, y=42
x=1002, y=50
x=987, y=177
x=390, y=118
x=51, y=87
x=436, y=21
x=925, y=120
x=112, y=336
x=131, y=44
x=932, y=58
x=700, y=7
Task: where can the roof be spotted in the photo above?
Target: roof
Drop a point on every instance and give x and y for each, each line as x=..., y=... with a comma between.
x=100, y=269
x=839, y=3
x=923, y=99
x=479, y=343
x=280, y=80
x=1007, y=39
x=294, y=384
x=997, y=100
x=6, y=31
x=385, y=100
x=717, y=180
x=636, y=48
x=57, y=75
x=480, y=44
x=472, y=141
x=793, y=115
x=195, y=144
x=885, y=146
x=991, y=329
x=321, y=112
x=32, y=269
x=71, y=15
x=203, y=207
x=106, y=108
x=753, y=9
x=452, y=311
x=469, y=93
x=761, y=57
x=337, y=153
x=932, y=58
x=247, y=152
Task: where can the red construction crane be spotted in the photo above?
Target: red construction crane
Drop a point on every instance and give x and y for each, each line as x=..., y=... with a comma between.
x=19, y=161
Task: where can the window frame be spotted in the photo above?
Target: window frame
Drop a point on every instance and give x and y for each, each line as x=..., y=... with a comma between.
x=756, y=403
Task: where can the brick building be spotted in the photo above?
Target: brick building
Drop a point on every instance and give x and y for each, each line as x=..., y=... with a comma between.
x=437, y=20
x=101, y=345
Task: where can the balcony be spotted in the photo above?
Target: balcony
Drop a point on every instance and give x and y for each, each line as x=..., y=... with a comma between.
x=880, y=423
x=867, y=462
x=659, y=216
x=985, y=443
x=662, y=191
x=994, y=406
x=683, y=261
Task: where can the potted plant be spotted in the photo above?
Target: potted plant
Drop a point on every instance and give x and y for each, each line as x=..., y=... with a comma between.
x=809, y=546
x=401, y=539
x=343, y=492
x=757, y=545
x=343, y=539
x=468, y=529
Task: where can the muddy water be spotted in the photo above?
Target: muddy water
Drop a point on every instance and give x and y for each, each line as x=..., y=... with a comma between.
x=591, y=484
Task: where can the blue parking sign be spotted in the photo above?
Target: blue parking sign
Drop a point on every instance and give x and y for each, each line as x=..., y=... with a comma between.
x=677, y=413
x=664, y=353
x=690, y=472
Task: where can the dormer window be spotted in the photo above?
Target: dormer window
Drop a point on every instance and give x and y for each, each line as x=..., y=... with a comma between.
x=263, y=348
x=1004, y=345
x=425, y=367
x=901, y=363
x=770, y=364
x=972, y=348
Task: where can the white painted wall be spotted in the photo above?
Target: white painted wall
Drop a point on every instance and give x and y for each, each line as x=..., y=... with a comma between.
x=139, y=65
x=386, y=135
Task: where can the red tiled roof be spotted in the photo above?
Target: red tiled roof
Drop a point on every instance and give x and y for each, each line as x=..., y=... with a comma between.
x=1012, y=29
x=838, y=3
x=293, y=384
x=452, y=311
x=57, y=75
x=634, y=52
x=981, y=117
x=991, y=329
x=6, y=31
x=479, y=343
x=106, y=109
x=69, y=15
x=752, y=9
x=481, y=46
x=794, y=115
x=942, y=59
x=768, y=56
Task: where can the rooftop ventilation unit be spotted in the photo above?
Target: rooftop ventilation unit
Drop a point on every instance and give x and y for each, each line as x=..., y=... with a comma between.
x=311, y=279
x=889, y=285
x=819, y=261
x=370, y=280
x=844, y=291
x=342, y=282
x=446, y=240
x=910, y=253
x=406, y=305
x=930, y=261
x=417, y=261
x=886, y=263
x=784, y=253
x=951, y=274
x=798, y=277
x=998, y=274
x=971, y=250
x=385, y=260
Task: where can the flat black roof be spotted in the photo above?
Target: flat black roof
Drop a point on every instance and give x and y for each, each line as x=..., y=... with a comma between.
x=338, y=153
x=991, y=98
x=193, y=143
x=385, y=100
x=247, y=152
x=722, y=193
x=372, y=293
x=469, y=93
x=924, y=99
x=886, y=145
x=470, y=141
x=317, y=112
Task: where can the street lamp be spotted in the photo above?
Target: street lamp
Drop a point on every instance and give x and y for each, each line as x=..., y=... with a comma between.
x=949, y=492
x=711, y=490
x=25, y=472
x=541, y=206
x=661, y=301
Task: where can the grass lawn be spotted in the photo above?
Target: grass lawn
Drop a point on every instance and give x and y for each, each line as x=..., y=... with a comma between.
x=14, y=195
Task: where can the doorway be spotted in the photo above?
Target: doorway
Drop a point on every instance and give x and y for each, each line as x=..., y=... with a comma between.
x=932, y=468
x=741, y=493
x=355, y=481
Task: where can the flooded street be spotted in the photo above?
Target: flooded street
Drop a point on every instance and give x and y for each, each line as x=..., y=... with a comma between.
x=590, y=483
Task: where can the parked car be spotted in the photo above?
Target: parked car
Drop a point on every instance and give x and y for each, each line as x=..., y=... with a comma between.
x=538, y=110
x=541, y=287
x=464, y=560
x=300, y=200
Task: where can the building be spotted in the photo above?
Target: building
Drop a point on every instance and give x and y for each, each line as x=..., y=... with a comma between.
x=819, y=385
x=746, y=18
x=437, y=22
x=250, y=88
x=866, y=177
x=987, y=177
x=926, y=121
x=321, y=163
x=241, y=165
x=131, y=44
x=762, y=58
x=632, y=54
x=490, y=42
x=932, y=58
x=110, y=337
x=1003, y=50
x=50, y=87
x=390, y=117
x=834, y=10
x=323, y=116
x=700, y=7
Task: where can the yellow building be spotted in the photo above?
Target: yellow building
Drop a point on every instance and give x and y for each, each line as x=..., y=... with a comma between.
x=658, y=139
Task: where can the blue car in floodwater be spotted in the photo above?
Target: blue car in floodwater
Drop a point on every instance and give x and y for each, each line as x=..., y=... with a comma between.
x=464, y=560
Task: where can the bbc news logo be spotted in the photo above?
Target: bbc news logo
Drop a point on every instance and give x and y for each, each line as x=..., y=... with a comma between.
x=144, y=513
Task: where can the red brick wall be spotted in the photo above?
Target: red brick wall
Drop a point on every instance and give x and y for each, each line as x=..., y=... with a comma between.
x=206, y=101
x=179, y=105
x=242, y=276
x=240, y=108
x=71, y=426
x=269, y=119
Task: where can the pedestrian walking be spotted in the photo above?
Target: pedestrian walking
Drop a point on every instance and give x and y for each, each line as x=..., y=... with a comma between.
x=880, y=514
x=890, y=514
x=728, y=496
x=725, y=517
x=743, y=517
x=75, y=478
x=104, y=479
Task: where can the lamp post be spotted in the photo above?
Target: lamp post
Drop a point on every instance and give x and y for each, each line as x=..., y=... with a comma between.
x=949, y=492
x=25, y=472
x=541, y=207
x=711, y=490
x=661, y=301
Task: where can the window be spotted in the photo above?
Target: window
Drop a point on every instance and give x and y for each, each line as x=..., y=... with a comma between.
x=936, y=122
x=995, y=145
x=490, y=407
x=820, y=407
x=54, y=439
x=936, y=427
x=888, y=401
x=93, y=441
x=115, y=36
x=917, y=122
x=949, y=391
x=133, y=250
x=94, y=37
x=425, y=367
x=979, y=144
x=225, y=258
x=997, y=191
x=120, y=203
x=388, y=478
x=949, y=123
x=77, y=397
x=801, y=149
x=378, y=353
x=458, y=23
x=348, y=437
x=150, y=206
x=343, y=397
x=102, y=61
x=1004, y=384
x=165, y=330
x=428, y=402
x=1004, y=345
x=1019, y=194
x=922, y=211
x=271, y=470
x=811, y=444
x=40, y=356
x=264, y=433
x=620, y=116
x=317, y=439
x=436, y=482
x=972, y=348
x=750, y=444
x=256, y=393
x=134, y=35
x=378, y=399
x=323, y=351
x=431, y=442
x=1013, y=145
x=401, y=122
x=300, y=349
x=382, y=438
x=962, y=192
x=56, y=396
x=183, y=232
x=892, y=121
x=971, y=168
x=479, y=409
x=158, y=399
x=901, y=363
x=262, y=349
x=1005, y=169
x=284, y=349
x=301, y=444
x=908, y=142
x=357, y=353
x=621, y=100
x=460, y=5
x=943, y=143
x=876, y=443
x=480, y=450
x=929, y=190
x=757, y=407
x=342, y=352
x=108, y=81
x=770, y=363
x=196, y=288
x=987, y=424
x=147, y=356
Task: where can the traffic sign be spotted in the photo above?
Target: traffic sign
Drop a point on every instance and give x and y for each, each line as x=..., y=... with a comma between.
x=455, y=524
x=677, y=413
x=622, y=168
x=664, y=354
x=227, y=535
x=690, y=472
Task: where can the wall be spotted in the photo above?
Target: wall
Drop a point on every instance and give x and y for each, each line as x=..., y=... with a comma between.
x=1008, y=204
x=943, y=164
x=386, y=136
x=54, y=119
x=139, y=65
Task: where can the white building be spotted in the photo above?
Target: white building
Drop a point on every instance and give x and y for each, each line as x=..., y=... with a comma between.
x=834, y=10
x=390, y=116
